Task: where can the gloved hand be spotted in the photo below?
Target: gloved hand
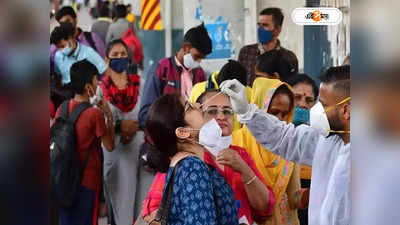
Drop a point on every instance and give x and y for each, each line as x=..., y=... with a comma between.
x=237, y=93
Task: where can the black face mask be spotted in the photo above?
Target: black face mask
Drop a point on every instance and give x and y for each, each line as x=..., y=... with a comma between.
x=67, y=24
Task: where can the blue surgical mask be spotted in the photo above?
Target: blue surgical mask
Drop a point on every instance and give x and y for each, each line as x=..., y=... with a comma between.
x=66, y=51
x=119, y=65
x=264, y=36
x=301, y=116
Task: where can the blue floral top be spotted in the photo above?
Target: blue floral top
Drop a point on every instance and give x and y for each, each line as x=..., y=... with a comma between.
x=200, y=196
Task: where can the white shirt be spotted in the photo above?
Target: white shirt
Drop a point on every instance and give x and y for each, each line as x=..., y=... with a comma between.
x=329, y=158
x=375, y=171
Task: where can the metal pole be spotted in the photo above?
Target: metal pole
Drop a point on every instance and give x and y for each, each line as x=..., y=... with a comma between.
x=168, y=28
x=250, y=21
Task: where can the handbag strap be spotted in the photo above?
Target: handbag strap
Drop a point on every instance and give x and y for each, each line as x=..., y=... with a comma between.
x=165, y=206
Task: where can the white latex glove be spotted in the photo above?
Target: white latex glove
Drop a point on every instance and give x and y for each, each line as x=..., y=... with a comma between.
x=237, y=93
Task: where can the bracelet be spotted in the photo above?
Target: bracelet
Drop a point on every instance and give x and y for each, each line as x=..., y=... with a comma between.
x=251, y=180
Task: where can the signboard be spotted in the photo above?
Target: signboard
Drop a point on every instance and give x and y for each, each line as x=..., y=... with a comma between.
x=220, y=37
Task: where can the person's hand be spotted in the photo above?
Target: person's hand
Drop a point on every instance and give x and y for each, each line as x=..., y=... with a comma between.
x=105, y=108
x=140, y=65
x=128, y=129
x=231, y=158
x=237, y=93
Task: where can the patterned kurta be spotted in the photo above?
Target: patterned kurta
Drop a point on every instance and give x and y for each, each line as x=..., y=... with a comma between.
x=200, y=196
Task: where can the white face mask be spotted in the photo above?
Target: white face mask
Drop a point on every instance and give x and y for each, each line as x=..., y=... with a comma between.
x=95, y=99
x=211, y=138
x=189, y=62
x=319, y=120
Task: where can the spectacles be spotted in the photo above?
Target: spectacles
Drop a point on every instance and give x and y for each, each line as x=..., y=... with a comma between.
x=213, y=111
x=191, y=106
x=333, y=106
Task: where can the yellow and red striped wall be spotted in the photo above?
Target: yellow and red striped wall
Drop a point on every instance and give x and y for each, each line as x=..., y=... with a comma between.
x=151, y=15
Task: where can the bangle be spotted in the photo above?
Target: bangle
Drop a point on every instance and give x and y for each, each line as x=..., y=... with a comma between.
x=251, y=180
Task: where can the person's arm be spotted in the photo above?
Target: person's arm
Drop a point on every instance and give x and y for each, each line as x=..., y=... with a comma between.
x=293, y=144
x=293, y=190
x=127, y=129
x=153, y=198
x=257, y=192
x=108, y=138
x=259, y=213
x=152, y=90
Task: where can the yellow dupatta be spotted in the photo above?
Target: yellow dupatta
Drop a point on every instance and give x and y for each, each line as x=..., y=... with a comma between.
x=275, y=170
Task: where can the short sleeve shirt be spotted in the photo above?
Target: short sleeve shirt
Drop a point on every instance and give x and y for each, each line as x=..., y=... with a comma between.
x=63, y=63
x=89, y=128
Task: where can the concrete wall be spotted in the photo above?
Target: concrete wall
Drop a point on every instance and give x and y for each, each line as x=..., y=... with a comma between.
x=292, y=35
x=231, y=11
x=327, y=46
x=242, y=16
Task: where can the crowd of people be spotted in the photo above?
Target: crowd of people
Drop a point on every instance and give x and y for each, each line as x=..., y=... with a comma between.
x=256, y=142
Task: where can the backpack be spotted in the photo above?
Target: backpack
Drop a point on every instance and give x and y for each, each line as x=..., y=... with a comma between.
x=134, y=44
x=65, y=171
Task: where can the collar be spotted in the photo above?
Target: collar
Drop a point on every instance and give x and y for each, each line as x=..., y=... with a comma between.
x=261, y=48
x=178, y=64
x=104, y=19
x=78, y=48
x=80, y=33
x=121, y=20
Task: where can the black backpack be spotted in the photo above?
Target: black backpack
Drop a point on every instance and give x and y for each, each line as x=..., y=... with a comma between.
x=65, y=170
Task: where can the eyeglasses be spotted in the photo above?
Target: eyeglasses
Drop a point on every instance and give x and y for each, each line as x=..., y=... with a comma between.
x=333, y=106
x=189, y=105
x=213, y=111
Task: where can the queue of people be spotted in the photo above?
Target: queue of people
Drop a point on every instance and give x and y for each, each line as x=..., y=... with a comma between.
x=236, y=147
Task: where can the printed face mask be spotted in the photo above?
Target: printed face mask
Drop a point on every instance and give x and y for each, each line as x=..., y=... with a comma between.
x=211, y=138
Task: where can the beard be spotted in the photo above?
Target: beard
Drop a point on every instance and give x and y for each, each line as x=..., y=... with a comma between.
x=335, y=123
